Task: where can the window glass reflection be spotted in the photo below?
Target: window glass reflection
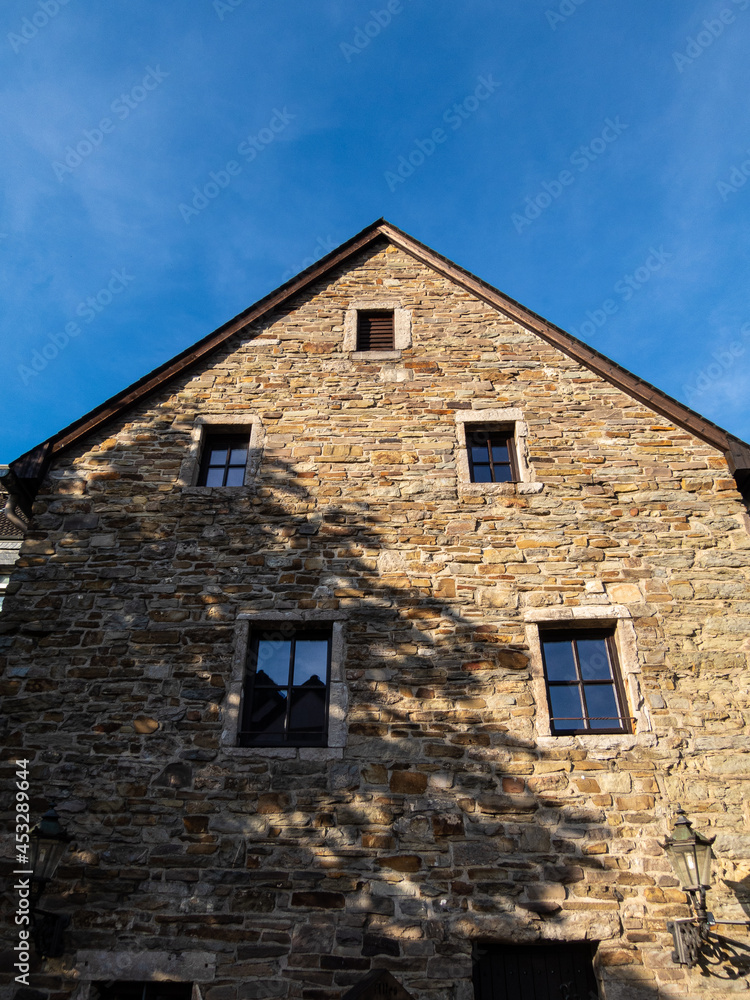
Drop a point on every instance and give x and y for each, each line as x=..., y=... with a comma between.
x=558, y=658
x=566, y=707
x=273, y=660
x=310, y=661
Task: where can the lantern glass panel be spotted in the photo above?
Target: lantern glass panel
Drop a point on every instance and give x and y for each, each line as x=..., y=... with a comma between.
x=46, y=856
x=683, y=861
x=704, y=857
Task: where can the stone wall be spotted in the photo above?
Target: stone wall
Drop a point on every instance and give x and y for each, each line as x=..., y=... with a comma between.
x=448, y=818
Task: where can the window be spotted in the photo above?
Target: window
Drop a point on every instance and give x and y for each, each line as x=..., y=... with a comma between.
x=584, y=689
x=492, y=456
x=560, y=971
x=286, y=687
x=131, y=990
x=225, y=450
x=375, y=330
x=493, y=452
x=224, y=460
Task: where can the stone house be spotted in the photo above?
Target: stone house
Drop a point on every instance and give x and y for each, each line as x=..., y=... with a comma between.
x=383, y=631
x=12, y=531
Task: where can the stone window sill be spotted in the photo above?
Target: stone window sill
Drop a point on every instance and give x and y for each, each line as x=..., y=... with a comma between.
x=605, y=741
x=286, y=753
x=375, y=355
x=500, y=489
x=214, y=491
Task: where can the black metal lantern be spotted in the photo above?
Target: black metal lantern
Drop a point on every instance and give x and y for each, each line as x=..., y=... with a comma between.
x=690, y=855
x=49, y=842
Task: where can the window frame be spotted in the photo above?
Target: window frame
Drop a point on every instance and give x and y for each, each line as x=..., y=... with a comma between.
x=292, y=633
x=208, y=425
x=578, y=617
x=338, y=695
x=148, y=989
x=574, y=635
x=504, y=433
x=512, y=419
x=214, y=440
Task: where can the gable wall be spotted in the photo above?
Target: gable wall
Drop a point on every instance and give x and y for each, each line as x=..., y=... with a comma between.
x=311, y=871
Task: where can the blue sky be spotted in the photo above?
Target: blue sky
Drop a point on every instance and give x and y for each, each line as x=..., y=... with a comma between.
x=591, y=160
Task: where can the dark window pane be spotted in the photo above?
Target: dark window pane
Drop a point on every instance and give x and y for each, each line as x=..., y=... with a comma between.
x=215, y=477
x=308, y=708
x=286, y=702
x=479, y=453
x=592, y=655
x=268, y=710
x=310, y=661
x=273, y=661
x=221, y=454
x=500, y=453
x=235, y=477
x=503, y=474
x=141, y=991
x=559, y=662
x=602, y=706
x=566, y=707
x=482, y=474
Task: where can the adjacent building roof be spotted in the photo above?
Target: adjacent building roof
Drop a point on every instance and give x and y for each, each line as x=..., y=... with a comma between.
x=27, y=471
x=8, y=530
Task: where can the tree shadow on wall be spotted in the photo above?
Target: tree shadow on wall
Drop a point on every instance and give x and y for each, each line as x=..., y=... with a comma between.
x=443, y=825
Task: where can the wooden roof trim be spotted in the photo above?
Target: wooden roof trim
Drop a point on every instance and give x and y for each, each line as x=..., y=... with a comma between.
x=175, y=366
x=615, y=374
x=736, y=450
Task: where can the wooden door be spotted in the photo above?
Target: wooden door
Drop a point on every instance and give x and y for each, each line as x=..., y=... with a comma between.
x=535, y=972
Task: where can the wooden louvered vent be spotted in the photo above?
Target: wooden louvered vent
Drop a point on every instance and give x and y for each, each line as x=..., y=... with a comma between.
x=375, y=331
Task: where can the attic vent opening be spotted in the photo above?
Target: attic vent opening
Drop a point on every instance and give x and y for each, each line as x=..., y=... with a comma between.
x=375, y=330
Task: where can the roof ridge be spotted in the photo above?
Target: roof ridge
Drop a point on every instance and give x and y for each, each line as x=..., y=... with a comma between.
x=32, y=464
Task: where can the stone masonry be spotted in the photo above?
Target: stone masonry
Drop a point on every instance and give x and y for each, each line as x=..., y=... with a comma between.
x=448, y=816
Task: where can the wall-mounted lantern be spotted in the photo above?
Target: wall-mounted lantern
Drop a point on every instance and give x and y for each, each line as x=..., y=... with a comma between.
x=690, y=854
x=49, y=842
